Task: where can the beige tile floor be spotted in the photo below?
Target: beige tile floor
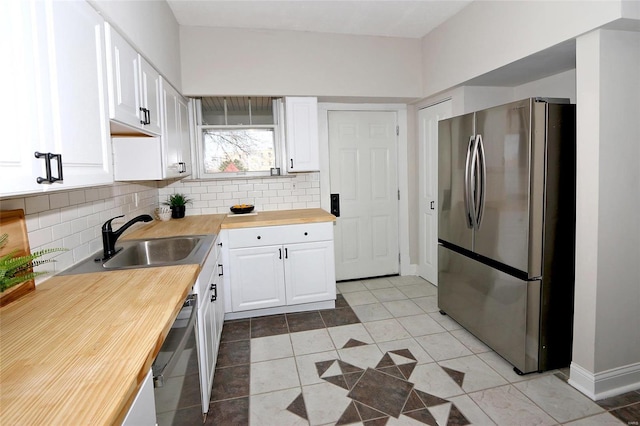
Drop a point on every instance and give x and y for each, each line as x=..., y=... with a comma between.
x=455, y=378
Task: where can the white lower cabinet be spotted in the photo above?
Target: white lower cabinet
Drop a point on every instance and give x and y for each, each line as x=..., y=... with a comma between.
x=277, y=266
x=309, y=272
x=257, y=278
x=209, y=321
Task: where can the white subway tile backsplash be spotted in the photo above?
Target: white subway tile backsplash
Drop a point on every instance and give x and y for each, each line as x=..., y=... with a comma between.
x=32, y=221
x=61, y=230
x=49, y=218
x=12, y=204
x=59, y=199
x=37, y=204
x=77, y=197
x=40, y=237
x=79, y=224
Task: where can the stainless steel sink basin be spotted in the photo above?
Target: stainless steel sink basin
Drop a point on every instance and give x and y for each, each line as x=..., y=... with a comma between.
x=149, y=253
x=154, y=252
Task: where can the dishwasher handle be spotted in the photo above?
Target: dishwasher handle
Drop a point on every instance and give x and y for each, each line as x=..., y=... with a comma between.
x=158, y=379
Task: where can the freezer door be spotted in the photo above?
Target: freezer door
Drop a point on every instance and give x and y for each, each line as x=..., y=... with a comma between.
x=497, y=308
x=503, y=230
x=455, y=138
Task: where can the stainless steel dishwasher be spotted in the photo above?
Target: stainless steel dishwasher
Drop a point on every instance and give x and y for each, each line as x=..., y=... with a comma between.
x=175, y=369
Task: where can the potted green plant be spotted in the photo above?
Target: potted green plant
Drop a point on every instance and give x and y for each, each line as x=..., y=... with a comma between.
x=178, y=203
x=15, y=269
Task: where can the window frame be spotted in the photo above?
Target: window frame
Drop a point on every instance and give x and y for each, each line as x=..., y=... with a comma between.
x=278, y=144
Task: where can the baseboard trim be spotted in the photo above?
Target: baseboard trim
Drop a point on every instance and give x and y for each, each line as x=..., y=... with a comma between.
x=606, y=383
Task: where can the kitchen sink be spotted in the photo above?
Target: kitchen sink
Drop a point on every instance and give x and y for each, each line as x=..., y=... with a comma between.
x=148, y=253
x=154, y=252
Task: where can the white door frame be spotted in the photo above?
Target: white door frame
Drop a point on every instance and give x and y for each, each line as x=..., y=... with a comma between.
x=325, y=186
x=428, y=167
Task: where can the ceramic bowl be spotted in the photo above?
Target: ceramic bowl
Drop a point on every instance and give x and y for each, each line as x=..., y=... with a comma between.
x=242, y=208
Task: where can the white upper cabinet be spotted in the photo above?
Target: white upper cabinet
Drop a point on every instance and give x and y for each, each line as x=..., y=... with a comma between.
x=134, y=86
x=301, y=124
x=157, y=158
x=175, y=132
x=54, y=70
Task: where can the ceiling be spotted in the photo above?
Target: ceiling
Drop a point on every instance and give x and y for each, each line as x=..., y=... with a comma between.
x=397, y=18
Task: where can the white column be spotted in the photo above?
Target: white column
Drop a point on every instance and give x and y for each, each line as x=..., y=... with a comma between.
x=606, y=343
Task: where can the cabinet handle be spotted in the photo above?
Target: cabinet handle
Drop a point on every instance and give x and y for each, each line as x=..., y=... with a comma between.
x=146, y=116
x=48, y=156
x=292, y=163
x=280, y=253
x=220, y=244
x=306, y=233
x=432, y=205
x=286, y=253
x=221, y=270
x=214, y=296
x=259, y=237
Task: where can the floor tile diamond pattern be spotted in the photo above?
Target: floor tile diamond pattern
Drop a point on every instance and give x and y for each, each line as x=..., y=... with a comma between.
x=389, y=378
x=354, y=368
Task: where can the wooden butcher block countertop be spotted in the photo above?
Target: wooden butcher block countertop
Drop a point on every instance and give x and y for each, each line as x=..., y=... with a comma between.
x=76, y=350
x=280, y=217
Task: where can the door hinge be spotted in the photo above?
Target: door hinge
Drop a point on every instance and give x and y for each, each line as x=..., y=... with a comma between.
x=397, y=130
x=399, y=258
x=398, y=195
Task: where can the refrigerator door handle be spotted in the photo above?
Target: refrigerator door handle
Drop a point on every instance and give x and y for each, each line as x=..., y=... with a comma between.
x=473, y=185
x=482, y=164
x=467, y=183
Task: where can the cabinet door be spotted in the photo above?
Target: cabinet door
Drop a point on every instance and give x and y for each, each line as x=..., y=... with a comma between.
x=309, y=272
x=171, y=142
x=257, y=278
x=185, y=136
x=301, y=123
x=123, y=63
x=21, y=121
x=150, y=95
x=79, y=94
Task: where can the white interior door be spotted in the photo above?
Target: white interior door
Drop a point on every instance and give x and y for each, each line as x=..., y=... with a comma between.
x=363, y=171
x=428, y=188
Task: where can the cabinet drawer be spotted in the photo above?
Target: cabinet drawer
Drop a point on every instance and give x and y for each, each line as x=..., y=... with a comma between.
x=275, y=235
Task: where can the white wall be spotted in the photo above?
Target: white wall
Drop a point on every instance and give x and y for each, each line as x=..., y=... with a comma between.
x=487, y=35
x=606, y=344
x=151, y=27
x=262, y=62
x=562, y=85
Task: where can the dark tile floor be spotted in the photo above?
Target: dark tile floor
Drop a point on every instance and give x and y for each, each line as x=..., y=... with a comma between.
x=384, y=356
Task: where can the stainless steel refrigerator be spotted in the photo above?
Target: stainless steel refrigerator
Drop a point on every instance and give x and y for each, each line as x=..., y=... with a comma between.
x=506, y=229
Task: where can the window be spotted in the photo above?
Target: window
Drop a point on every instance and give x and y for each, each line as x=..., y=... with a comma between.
x=239, y=136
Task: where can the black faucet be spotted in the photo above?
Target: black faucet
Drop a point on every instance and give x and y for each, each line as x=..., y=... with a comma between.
x=109, y=237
